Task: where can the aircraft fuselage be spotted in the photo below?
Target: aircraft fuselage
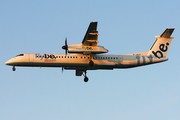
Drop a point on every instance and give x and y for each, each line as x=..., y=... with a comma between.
x=80, y=61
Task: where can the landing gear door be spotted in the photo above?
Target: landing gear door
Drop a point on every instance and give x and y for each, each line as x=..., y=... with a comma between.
x=78, y=72
x=120, y=59
x=31, y=57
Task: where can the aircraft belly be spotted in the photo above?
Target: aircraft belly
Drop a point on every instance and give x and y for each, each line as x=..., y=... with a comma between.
x=58, y=64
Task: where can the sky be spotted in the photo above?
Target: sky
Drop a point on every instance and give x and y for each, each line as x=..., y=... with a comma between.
x=150, y=92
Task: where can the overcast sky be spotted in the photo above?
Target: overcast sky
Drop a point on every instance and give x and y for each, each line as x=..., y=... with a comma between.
x=145, y=93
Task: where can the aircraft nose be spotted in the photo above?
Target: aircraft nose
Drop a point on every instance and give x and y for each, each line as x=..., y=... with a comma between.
x=9, y=62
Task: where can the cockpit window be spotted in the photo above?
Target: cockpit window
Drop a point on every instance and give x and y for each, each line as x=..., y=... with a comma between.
x=20, y=55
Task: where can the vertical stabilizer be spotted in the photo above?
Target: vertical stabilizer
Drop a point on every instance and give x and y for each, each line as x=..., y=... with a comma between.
x=162, y=44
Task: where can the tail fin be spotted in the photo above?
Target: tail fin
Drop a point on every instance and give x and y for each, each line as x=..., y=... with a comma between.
x=162, y=44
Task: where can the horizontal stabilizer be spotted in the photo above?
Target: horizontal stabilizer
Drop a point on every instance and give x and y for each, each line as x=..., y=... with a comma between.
x=167, y=33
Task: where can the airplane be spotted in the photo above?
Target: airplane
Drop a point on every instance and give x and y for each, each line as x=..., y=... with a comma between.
x=90, y=56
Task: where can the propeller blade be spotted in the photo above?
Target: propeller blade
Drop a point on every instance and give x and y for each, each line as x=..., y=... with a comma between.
x=62, y=69
x=65, y=47
x=66, y=41
x=66, y=51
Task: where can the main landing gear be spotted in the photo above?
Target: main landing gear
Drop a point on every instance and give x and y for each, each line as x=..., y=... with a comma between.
x=13, y=68
x=82, y=72
x=85, y=77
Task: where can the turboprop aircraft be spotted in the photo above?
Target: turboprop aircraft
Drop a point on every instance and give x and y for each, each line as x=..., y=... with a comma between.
x=90, y=56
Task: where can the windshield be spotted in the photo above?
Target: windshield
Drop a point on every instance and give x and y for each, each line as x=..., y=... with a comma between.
x=20, y=55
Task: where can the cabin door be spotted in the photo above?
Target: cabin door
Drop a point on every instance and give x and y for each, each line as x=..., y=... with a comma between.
x=120, y=58
x=31, y=57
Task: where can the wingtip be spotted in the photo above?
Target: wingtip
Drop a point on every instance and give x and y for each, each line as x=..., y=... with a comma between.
x=94, y=22
x=170, y=28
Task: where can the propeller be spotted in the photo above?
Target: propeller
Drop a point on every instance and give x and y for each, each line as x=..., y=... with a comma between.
x=62, y=69
x=65, y=47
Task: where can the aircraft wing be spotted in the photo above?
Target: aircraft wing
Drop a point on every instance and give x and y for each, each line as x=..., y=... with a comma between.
x=91, y=36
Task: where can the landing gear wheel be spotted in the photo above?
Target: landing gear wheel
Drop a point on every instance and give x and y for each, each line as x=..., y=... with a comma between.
x=91, y=63
x=86, y=79
x=13, y=68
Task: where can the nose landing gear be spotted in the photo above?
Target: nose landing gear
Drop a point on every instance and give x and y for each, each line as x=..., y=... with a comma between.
x=13, y=68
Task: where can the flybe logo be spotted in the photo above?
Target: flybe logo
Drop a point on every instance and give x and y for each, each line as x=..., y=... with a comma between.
x=87, y=48
x=46, y=56
x=162, y=48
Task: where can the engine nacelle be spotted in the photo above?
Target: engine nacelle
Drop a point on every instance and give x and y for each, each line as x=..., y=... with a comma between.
x=79, y=48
